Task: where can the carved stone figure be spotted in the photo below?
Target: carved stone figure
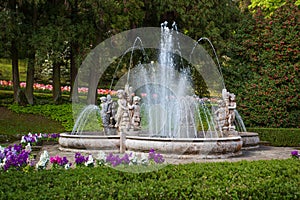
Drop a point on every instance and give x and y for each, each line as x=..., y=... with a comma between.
x=221, y=115
x=136, y=117
x=104, y=117
x=231, y=110
x=122, y=116
x=111, y=111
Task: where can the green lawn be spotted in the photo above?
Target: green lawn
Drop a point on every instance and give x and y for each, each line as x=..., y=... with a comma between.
x=12, y=125
x=6, y=69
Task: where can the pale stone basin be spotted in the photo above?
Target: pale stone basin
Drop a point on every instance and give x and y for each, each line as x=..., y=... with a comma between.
x=90, y=142
x=187, y=147
x=250, y=140
x=170, y=147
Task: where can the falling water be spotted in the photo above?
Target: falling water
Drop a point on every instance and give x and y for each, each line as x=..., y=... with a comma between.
x=170, y=105
x=239, y=123
x=87, y=116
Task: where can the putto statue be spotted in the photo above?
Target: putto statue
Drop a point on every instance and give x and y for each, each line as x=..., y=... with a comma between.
x=123, y=115
x=225, y=114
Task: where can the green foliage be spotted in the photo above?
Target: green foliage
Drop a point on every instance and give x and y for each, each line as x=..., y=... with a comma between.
x=264, y=69
x=273, y=179
x=281, y=137
x=61, y=113
x=269, y=6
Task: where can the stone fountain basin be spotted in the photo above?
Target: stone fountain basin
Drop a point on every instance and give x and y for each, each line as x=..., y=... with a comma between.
x=170, y=147
x=89, y=142
x=187, y=147
x=250, y=140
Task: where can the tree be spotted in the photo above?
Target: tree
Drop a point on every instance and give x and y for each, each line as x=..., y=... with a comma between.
x=268, y=6
x=30, y=13
x=266, y=57
x=13, y=35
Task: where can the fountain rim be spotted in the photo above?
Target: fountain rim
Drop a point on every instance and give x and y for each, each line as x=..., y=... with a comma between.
x=233, y=138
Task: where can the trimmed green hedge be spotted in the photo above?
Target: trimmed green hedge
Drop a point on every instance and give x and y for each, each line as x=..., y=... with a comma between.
x=282, y=137
x=273, y=179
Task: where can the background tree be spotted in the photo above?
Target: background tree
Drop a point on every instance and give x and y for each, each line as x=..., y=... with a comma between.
x=264, y=68
x=11, y=23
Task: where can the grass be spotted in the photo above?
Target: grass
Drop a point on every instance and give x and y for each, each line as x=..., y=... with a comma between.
x=14, y=125
x=6, y=69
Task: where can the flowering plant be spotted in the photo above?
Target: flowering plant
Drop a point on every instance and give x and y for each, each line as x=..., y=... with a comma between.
x=80, y=160
x=130, y=159
x=295, y=154
x=50, y=136
x=60, y=162
x=48, y=88
x=13, y=157
x=34, y=139
x=156, y=157
x=89, y=161
x=115, y=160
x=30, y=139
x=44, y=160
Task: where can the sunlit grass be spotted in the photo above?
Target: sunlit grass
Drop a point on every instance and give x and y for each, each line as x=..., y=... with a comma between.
x=6, y=69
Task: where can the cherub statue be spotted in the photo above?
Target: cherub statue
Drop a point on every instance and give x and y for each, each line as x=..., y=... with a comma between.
x=136, y=118
x=122, y=107
x=103, y=105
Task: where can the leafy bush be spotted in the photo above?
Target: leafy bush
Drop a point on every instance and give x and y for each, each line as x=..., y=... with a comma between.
x=282, y=137
x=273, y=179
x=264, y=68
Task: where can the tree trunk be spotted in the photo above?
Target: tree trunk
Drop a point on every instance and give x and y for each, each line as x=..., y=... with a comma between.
x=74, y=72
x=18, y=97
x=74, y=53
x=56, y=91
x=15, y=72
x=31, y=63
x=93, y=82
x=30, y=80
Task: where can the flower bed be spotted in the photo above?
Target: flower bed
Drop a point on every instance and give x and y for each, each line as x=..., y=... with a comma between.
x=20, y=157
x=48, y=88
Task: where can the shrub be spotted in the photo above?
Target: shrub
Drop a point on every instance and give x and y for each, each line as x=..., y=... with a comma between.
x=272, y=179
x=264, y=69
x=282, y=137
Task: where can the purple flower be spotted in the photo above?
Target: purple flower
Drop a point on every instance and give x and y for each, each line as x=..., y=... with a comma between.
x=116, y=160
x=158, y=158
x=55, y=135
x=57, y=160
x=295, y=153
x=80, y=159
x=125, y=159
x=15, y=157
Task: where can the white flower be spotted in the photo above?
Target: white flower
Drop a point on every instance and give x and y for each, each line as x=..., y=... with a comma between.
x=3, y=163
x=28, y=147
x=90, y=161
x=133, y=159
x=67, y=166
x=144, y=159
x=23, y=139
x=44, y=159
x=101, y=157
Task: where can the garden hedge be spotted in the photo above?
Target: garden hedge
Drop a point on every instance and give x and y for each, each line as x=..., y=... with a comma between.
x=273, y=179
x=282, y=137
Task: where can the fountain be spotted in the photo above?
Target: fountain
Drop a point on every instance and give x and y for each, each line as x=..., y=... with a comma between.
x=156, y=106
